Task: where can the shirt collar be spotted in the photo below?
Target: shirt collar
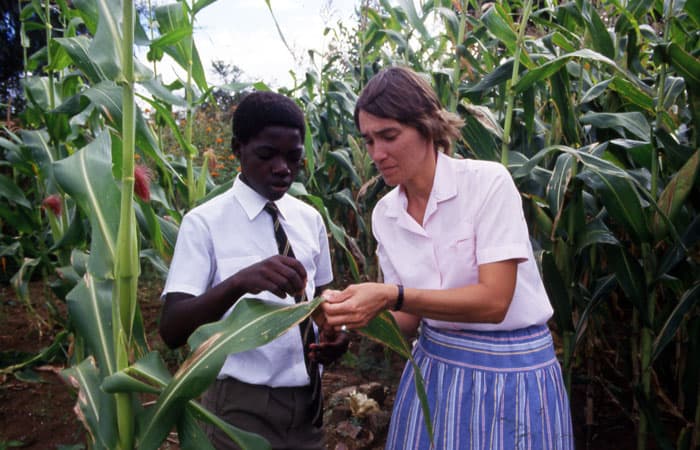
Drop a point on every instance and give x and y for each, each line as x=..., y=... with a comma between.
x=252, y=202
x=444, y=188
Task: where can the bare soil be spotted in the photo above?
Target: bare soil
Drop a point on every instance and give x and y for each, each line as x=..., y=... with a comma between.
x=37, y=406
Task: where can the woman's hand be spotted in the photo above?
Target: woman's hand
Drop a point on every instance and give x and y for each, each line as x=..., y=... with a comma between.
x=357, y=304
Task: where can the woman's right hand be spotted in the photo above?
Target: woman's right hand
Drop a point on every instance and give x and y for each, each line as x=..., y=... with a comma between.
x=357, y=304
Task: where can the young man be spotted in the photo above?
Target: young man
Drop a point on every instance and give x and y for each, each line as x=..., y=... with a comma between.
x=228, y=248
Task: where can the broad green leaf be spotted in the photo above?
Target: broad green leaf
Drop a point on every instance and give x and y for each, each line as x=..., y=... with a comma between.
x=89, y=13
x=243, y=438
x=172, y=18
x=675, y=194
x=342, y=157
x=679, y=251
x=252, y=323
x=603, y=288
x=95, y=408
x=107, y=96
x=90, y=308
x=87, y=177
x=498, y=22
x=44, y=354
x=480, y=140
x=414, y=21
x=498, y=76
x=190, y=434
x=675, y=320
x=557, y=292
x=687, y=65
x=595, y=91
x=383, y=329
x=559, y=183
x=485, y=117
x=10, y=191
x=632, y=93
x=150, y=375
x=105, y=49
x=630, y=275
x=560, y=84
x=79, y=50
x=546, y=70
x=620, y=199
x=43, y=155
x=625, y=123
x=602, y=42
x=595, y=233
x=201, y=4
x=337, y=232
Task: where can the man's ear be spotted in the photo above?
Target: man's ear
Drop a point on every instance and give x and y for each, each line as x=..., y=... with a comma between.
x=235, y=148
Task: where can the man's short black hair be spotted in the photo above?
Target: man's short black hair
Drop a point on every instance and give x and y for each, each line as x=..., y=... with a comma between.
x=261, y=109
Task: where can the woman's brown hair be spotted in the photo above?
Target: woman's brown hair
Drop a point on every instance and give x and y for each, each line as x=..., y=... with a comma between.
x=401, y=94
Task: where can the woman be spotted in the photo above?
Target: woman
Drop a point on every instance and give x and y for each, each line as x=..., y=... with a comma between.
x=454, y=249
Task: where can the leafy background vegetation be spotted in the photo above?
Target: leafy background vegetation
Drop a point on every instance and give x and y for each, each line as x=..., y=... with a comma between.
x=593, y=106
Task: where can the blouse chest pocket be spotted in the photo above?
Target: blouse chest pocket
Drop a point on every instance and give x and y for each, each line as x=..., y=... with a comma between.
x=456, y=254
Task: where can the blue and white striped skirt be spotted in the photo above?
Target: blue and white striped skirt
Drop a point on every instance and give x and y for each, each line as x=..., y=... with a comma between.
x=486, y=390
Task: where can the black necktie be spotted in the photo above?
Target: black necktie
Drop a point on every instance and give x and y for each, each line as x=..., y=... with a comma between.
x=308, y=335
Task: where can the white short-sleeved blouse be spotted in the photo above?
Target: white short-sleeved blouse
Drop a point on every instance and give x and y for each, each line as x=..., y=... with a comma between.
x=229, y=233
x=474, y=216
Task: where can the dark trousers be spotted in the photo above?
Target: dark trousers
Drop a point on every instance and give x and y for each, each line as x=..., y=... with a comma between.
x=281, y=415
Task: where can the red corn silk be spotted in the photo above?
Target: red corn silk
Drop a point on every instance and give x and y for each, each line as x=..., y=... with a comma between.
x=142, y=181
x=53, y=204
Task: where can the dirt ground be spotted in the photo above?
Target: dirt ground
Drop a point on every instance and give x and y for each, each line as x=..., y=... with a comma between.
x=37, y=406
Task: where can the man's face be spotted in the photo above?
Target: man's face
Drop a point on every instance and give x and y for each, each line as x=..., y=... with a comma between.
x=271, y=160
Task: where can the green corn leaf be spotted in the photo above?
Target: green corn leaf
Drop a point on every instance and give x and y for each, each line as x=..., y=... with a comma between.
x=633, y=123
x=499, y=24
x=201, y=4
x=90, y=307
x=559, y=183
x=87, y=177
x=603, y=288
x=190, y=434
x=557, y=292
x=384, y=330
x=95, y=408
x=342, y=157
x=253, y=323
x=173, y=21
x=243, y=438
x=595, y=233
x=620, y=199
x=674, y=195
x=106, y=96
x=150, y=375
x=78, y=48
x=10, y=191
x=630, y=275
x=632, y=92
x=688, y=300
x=602, y=42
x=415, y=22
x=687, y=65
x=337, y=232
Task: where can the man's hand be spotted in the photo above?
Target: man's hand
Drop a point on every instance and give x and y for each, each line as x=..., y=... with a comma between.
x=332, y=344
x=278, y=274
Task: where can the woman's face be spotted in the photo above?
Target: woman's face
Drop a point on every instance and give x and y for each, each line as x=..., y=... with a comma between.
x=399, y=151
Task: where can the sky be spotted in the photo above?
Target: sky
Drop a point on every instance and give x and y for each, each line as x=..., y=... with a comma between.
x=243, y=33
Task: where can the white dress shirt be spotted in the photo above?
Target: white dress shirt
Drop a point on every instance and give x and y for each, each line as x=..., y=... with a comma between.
x=231, y=232
x=474, y=216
